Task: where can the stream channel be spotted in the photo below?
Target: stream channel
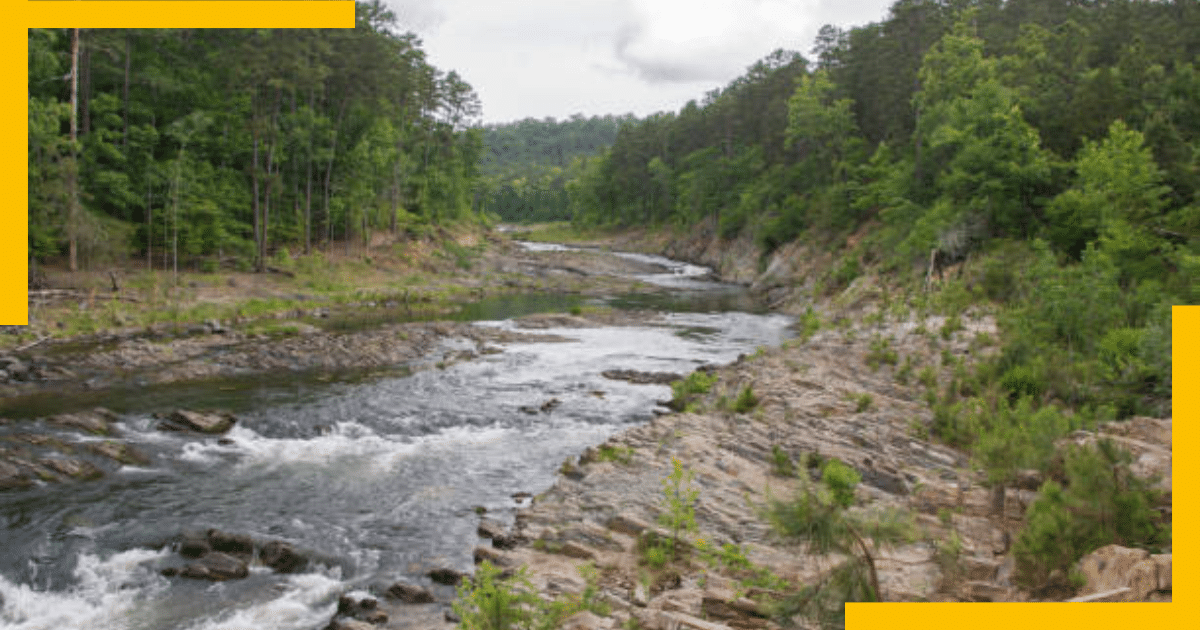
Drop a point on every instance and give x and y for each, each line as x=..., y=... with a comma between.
x=378, y=478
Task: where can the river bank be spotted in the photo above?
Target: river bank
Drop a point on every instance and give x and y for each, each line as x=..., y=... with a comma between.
x=852, y=387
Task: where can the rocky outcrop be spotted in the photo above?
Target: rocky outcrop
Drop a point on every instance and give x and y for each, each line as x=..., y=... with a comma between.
x=97, y=421
x=410, y=593
x=216, y=555
x=282, y=557
x=1120, y=574
x=642, y=378
x=210, y=423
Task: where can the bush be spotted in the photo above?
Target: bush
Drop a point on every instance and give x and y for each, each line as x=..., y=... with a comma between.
x=746, y=400
x=696, y=384
x=1022, y=381
x=1103, y=503
x=841, y=480
x=490, y=602
x=781, y=462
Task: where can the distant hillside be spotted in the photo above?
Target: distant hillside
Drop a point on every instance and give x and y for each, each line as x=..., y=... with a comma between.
x=526, y=164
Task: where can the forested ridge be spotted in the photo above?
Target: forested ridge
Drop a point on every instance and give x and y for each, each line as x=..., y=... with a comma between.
x=197, y=147
x=526, y=164
x=1047, y=150
x=1055, y=144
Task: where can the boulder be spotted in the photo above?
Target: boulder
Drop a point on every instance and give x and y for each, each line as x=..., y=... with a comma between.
x=496, y=533
x=73, y=468
x=282, y=557
x=410, y=593
x=217, y=567
x=17, y=369
x=193, y=544
x=235, y=544
x=184, y=420
x=12, y=477
x=96, y=421
x=448, y=577
x=1114, y=567
x=587, y=620
x=119, y=452
x=496, y=558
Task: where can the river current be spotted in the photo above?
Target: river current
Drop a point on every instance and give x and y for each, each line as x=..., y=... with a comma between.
x=378, y=478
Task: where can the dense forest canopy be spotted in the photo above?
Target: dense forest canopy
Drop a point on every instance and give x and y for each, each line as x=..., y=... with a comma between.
x=201, y=146
x=1054, y=142
x=526, y=164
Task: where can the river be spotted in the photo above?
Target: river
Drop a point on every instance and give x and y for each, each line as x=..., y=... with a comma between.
x=378, y=478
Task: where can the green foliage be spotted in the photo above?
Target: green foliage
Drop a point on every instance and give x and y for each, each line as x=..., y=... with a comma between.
x=862, y=402
x=618, y=454
x=679, y=499
x=781, y=462
x=841, y=480
x=881, y=352
x=1103, y=503
x=491, y=602
x=696, y=384
x=745, y=401
x=819, y=519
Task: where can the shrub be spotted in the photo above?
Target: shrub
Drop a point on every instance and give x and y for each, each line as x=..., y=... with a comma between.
x=781, y=462
x=1022, y=380
x=881, y=352
x=746, y=400
x=491, y=602
x=686, y=390
x=841, y=480
x=1103, y=503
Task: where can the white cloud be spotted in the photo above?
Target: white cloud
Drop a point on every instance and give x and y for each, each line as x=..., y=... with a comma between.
x=557, y=57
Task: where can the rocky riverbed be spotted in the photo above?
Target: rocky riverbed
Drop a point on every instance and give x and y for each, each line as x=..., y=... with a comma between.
x=830, y=395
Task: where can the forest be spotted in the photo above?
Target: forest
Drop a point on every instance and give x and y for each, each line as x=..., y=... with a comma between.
x=1048, y=150
x=527, y=164
x=201, y=148
x=1055, y=144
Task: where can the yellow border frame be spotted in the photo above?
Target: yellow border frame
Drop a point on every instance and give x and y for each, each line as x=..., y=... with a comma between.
x=14, y=304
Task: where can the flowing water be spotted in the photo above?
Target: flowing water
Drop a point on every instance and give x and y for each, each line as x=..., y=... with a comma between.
x=378, y=478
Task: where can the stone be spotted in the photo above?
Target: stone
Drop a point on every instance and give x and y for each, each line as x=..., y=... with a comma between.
x=678, y=621
x=12, y=477
x=1163, y=560
x=194, y=544
x=282, y=557
x=978, y=591
x=236, y=544
x=448, y=577
x=628, y=525
x=96, y=421
x=491, y=555
x=349, y=624
x=587, y=620
x=217, y=567
x=73, y=468
x=201, y=422
x=1113, y=567
x=576, y=550
x=120, y=452
x=410, y=593
x=496, y=533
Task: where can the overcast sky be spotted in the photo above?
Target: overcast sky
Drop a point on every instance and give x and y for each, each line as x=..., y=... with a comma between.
x=539, y=58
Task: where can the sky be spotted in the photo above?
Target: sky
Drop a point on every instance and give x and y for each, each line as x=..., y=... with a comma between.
x=555, y=58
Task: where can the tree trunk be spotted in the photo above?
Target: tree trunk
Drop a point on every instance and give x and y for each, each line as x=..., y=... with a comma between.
x=329, y=170
x=72, y=176
x=308, y=182
x=125, y=93
x=85, y=88
x=258, y=261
